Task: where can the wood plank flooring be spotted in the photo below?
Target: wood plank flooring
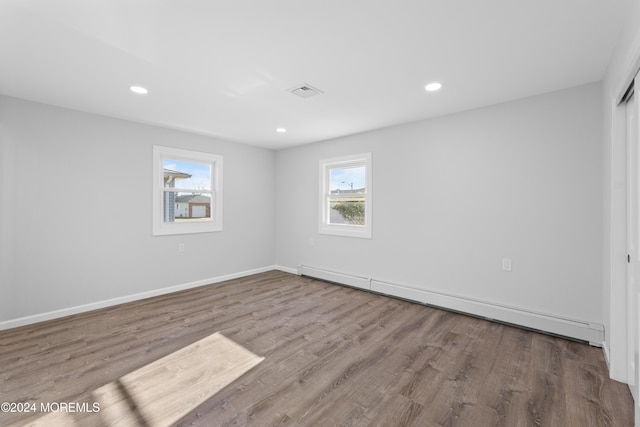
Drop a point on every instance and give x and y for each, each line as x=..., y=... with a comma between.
x=332, y=356
x=162, y=392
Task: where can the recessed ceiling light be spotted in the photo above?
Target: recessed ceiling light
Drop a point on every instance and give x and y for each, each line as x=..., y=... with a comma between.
x=281, y=130
x=432, y=87
x=139, y=90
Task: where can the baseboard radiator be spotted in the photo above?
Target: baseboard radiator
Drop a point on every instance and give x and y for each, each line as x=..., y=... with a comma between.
x=593, y=333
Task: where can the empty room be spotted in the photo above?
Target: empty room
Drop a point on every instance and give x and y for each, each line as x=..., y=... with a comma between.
x=319, y=213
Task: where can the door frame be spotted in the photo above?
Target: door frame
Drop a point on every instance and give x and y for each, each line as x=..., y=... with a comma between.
x=632, y=125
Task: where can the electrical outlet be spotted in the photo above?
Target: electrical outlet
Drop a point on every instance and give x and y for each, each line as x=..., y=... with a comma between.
x=506, y=264
x=180, y=247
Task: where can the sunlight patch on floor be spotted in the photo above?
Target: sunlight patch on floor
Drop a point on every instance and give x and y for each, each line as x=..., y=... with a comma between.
x=164, y=391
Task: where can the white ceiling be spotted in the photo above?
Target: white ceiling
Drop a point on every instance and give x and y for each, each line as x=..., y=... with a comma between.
x=222, y=68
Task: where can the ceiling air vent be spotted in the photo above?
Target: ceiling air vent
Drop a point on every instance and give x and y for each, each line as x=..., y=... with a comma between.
x=305, y=91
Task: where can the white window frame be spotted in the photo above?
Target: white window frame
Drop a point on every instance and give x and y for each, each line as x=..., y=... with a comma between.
x=347, y=230
x=162, y=228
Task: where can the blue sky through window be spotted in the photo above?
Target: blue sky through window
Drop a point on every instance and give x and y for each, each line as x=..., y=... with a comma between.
x=343, y=178
x=200, y=174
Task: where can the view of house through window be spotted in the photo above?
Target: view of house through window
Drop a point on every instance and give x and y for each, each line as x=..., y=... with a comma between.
x=187, y=191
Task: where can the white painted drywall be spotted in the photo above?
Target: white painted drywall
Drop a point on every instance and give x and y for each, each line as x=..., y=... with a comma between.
x=454, y=195
x=614, y=161
x=6, y=191
x=76, y=210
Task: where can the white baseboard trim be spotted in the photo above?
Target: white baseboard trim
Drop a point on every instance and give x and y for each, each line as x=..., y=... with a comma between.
x=285, y=269
x=572, y=328
x=28, y=320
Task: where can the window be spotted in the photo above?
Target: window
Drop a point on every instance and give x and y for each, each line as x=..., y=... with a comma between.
x=345, y=196
x=187, y=191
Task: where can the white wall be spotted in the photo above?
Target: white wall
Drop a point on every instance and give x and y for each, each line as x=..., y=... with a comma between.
x=614, y=161
x=66, y=239
x=454, y=195
x=6, y=191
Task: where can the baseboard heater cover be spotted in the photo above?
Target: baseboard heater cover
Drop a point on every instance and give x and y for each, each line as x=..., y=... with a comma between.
x=571, y=328
x=333, y=276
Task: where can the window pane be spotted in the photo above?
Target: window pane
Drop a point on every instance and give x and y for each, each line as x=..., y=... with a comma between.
x=186, y=175
x=187, y=207
x=347, y=211
x=347, y=180
x=346, y=200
